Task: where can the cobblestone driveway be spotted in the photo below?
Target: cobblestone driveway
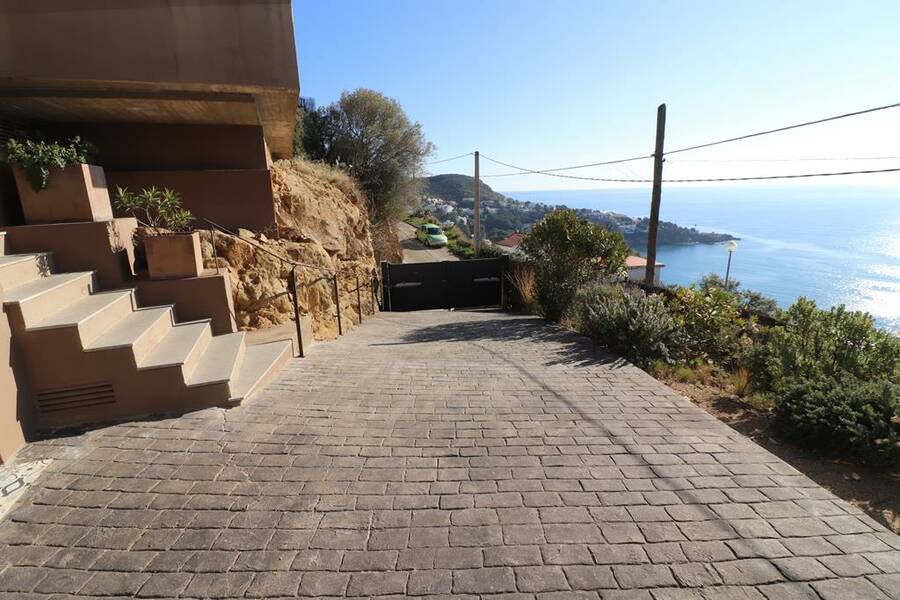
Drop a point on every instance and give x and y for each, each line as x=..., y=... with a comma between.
x=438, y=452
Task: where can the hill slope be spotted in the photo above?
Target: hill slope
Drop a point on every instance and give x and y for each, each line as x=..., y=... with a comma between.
x=449, y=197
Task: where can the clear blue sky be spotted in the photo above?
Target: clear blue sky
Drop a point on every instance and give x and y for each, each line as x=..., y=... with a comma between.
x=544, y=84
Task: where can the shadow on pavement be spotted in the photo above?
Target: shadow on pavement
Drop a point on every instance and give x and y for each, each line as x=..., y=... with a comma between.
x=572, y=349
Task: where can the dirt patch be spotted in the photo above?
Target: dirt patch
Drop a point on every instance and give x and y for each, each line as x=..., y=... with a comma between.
x=875, y=492
x=323, y=223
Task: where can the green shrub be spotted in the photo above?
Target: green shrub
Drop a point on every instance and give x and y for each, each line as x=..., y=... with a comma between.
x=568, y=251
x=712, y=323
x=843, y=416
x=155, y=208
x=628, y=322
x=491, y=251
x=812, y=343
x=36, y=157
x=746, y=299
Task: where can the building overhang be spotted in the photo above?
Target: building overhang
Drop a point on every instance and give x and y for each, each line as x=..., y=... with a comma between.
x=151, y=61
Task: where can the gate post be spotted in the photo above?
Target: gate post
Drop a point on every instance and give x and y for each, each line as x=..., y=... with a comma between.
x=386, y=285
x=358, y=300
x=337, y=304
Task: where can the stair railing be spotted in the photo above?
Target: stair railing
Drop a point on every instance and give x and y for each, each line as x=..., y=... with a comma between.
x=291, y=287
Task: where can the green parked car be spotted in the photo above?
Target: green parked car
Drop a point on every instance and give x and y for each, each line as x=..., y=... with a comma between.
x=431, y=235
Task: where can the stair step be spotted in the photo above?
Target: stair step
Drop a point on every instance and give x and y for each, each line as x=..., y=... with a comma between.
x=18, y=269
x=221, y=360
x=140, y=331
x=41, y=298
x=259, y=365
x=180, y=347
x=38, y=287
x=93, y=315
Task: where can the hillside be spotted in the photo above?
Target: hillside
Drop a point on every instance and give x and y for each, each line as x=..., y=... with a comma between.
x=322, y=220
x=449, y=198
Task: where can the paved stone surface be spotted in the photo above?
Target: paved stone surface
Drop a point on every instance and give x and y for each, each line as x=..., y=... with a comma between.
x=439, y=454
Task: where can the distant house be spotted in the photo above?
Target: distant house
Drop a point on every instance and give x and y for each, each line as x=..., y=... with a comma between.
x=511, y=242
x=637, y=267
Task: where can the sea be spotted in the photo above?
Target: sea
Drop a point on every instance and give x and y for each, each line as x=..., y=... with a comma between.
x=834, y=245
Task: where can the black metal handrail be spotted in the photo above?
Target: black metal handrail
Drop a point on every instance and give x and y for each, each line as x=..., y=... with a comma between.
x=292, y=282
x=215, y=225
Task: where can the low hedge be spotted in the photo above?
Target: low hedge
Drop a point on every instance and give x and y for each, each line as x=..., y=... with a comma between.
x=635, y=325
x=842, y=416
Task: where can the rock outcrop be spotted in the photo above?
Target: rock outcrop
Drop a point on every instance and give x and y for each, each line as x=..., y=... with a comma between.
x=322, y=222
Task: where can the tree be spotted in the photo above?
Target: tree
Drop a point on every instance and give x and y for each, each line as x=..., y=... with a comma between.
x=567, y=252
x=370, y=136
x=297, y=143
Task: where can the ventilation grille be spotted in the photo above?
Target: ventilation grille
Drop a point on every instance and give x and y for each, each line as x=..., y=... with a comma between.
x=75, y=398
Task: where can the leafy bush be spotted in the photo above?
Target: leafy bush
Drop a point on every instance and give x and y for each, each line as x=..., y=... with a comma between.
x=711, y=321
x=841, y=416
x=628, y=322
x=568, y=251
x=747, y=299
x=155, y=208
x=812, y=343
x=37, y=157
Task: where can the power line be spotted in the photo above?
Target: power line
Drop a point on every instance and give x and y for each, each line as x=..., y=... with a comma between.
x=437, y=162
x=797, y=176
x=550, y=174
x=767, y=160
x=785, y=128
x=543, y=171
x=701, y=180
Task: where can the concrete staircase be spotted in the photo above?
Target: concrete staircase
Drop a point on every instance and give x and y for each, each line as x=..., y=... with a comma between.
x=91, y=356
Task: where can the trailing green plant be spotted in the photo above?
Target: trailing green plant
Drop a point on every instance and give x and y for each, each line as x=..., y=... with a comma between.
x=629, y=322
x=841, y=416
x=155, y=208
x=568, y=251
x=811, y=343
x=36, y=157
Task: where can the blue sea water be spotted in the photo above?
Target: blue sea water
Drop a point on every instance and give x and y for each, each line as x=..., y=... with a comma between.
x=835, y=245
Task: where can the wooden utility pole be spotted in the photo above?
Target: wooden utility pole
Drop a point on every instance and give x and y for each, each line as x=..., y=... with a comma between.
x=477, y=208
x=650, y=273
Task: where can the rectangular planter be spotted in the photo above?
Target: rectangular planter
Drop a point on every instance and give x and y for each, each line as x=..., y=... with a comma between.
x=75, y=193
x=174, y=256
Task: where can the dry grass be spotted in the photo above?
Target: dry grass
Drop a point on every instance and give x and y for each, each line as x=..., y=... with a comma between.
x=331, y=174
x=740, y=381
x=521, y=276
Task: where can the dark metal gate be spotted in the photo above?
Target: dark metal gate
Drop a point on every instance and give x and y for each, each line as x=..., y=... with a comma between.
x=448, y=284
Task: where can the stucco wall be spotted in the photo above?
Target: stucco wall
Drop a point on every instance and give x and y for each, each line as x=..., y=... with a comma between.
x=231, y=42
x=151, y=61
x=237, y=198
x=14, y=419
x=160, y=147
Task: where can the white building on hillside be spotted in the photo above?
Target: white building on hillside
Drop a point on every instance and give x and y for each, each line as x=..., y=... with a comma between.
x=637, y=267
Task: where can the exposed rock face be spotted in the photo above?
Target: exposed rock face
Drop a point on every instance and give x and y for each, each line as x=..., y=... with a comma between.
x=322, y=222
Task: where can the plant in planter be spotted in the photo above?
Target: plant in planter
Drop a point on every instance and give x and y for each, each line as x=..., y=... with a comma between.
x=55, y=181
x=172, y=249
